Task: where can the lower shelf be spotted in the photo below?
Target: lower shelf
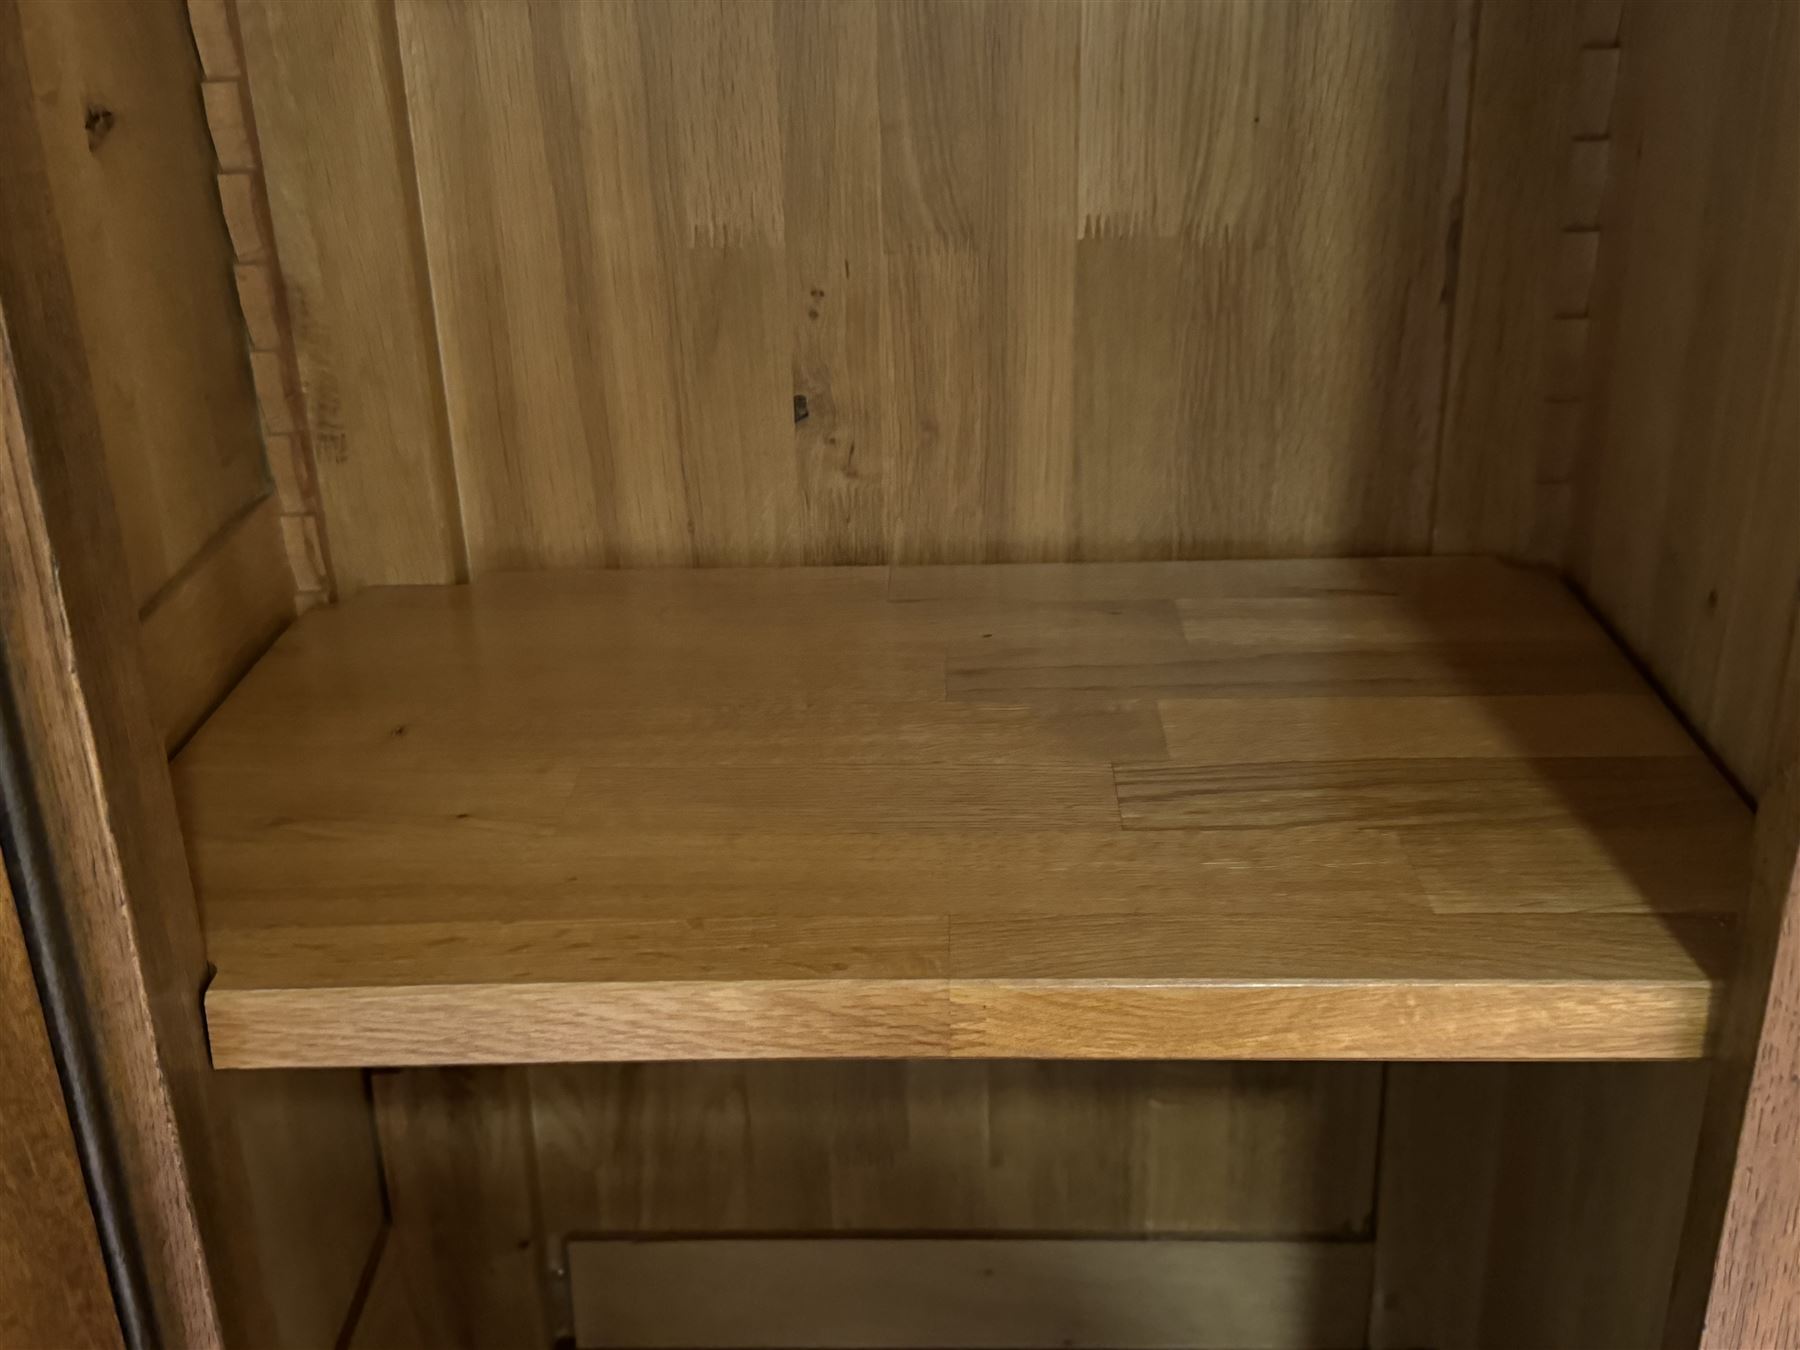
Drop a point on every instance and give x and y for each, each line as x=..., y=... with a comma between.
x=1416, y=808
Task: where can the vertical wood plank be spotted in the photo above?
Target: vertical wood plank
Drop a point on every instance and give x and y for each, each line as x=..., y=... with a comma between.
x=1684, y=535
x=710, y=77
x=978, y=157
x=1739, y=1250
x=313, y=1200
x=214, y=38
x=98, y=772
x=512, y=217
x=325, y=83
x=1534, y=1205
x=463, y=1244
x=100, y=779
x=1137, y=263
x=644, y=192
x=1755, y=1294
x=828, y=87
x=149, y=267
x=1495, y=417
x=207, y=628
x=1263, y=209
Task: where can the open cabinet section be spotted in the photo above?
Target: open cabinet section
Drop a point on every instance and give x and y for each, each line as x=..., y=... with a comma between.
x=1124, y=669
x=1414, y=808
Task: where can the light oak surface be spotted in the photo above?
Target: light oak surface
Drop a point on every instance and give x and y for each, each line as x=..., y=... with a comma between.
x=338, y=165
x=213, y=621
x=686, y=814
x=1685, y=536
x=149, y=266
x=1500, y=483
x=96, y=762
x=1056, y=281
x=206, y=1206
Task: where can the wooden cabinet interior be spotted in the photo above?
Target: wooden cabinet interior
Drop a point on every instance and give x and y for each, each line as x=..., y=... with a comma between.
x=1290, y=556
x=1390, y=809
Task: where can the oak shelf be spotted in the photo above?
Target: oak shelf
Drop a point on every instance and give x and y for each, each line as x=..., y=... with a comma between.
x=1410, y=808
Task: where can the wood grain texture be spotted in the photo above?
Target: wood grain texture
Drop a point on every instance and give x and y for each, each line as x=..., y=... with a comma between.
x=260, y=304
x=423, y=836
x=462, y=1257
x=212, y=623
x=1684, y=537
x=215, y=39
x=53, y=1285
x=229, y=123
x=70, y=633
x=1685, y=541
x=1256, y=243
x=1237, y=1151
x=1234, y=1150
x=246, y=212
x=1755, y=1293
x=1522, y=104
x=324, y=81
x=100, y=777
x=1531, y=1205
x=154, y=296
x=873, y=1292
x=260, y=289
x=1742, y=1214
x=392, y=1316
x=978, y=152
x=1404, y=795
x=313, y=1201
x=1039, y=307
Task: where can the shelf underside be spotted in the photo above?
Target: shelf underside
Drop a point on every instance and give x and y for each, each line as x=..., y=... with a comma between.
x=1391, y=809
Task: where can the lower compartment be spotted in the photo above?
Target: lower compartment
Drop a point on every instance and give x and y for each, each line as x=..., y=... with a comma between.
x=1026, y=1203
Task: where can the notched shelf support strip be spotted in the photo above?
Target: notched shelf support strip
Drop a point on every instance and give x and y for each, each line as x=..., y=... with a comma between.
x=243, y=197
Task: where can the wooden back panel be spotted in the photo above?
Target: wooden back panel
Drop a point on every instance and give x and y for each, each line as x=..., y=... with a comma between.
x=1113, y=280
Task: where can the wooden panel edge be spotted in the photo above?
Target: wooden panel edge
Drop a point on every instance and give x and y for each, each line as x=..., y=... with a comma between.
x=886, y=1019
x=66, y=617
x=53, y=1279
x=1734, y=1285
x=322, y=91
x=99, y=777
x=200, y=635
x=243, y=199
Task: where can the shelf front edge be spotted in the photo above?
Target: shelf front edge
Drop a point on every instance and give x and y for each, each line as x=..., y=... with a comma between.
x=521, y=1023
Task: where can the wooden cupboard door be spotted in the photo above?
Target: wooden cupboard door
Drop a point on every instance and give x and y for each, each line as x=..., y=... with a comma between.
x=53, y=1286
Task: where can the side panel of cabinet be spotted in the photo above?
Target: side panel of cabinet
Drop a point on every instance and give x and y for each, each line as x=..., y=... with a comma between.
x=1685, y=539
x=254, y=1204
